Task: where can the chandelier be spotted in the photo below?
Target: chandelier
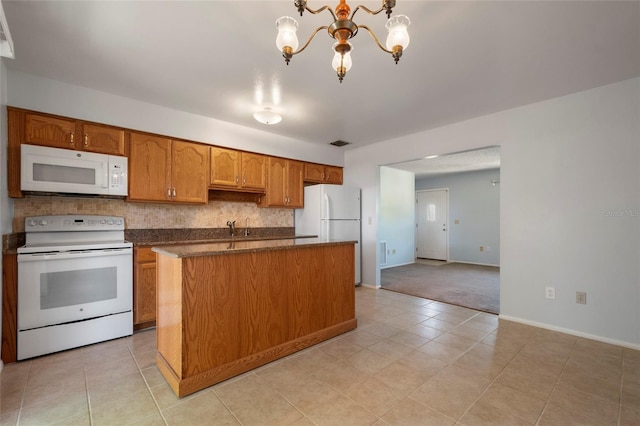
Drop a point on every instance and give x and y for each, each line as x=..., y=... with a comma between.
x=342, y=30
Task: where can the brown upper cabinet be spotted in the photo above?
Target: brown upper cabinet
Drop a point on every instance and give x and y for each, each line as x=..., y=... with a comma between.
x=73, y=134
x=103, y=139
x=285, y=186
x=233, y=170
x=165, y=170
x=320, y=173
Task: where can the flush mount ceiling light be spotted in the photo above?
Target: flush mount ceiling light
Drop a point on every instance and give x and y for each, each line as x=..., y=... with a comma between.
x=342, y=30
x=267, y=116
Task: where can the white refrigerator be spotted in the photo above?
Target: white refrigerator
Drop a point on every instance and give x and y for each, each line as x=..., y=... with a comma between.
x=331, y=212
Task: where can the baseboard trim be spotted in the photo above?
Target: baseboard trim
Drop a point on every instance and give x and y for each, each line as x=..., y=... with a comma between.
x=473, y=263
x=375, y=287
x=394, y=265
x=571, y=332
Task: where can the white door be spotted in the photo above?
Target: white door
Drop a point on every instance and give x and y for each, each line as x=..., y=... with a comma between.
x=432, y=213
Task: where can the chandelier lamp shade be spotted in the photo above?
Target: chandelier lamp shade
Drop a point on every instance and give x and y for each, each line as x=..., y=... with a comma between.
x=342, y=30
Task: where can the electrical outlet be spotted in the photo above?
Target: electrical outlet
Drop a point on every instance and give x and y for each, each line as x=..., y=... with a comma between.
x=550, y=292
x=487, y=248
x=481, y=248
x=581, y=297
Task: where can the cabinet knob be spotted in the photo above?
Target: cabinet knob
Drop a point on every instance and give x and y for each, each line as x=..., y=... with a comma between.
x=174, y=193
x=71, y=139
x=237, y=180
x=169, y=193
x=86, y=139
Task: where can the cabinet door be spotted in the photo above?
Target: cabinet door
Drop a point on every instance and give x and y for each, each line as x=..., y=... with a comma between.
x=253, y=171
x=295, y=184
x=190, y=171
x=103, y=139
x=144, y=286
x=50, y=131
x=276, y=183
x=333, y=175
x=225, y=170
x=314, y=173
x=149, y=168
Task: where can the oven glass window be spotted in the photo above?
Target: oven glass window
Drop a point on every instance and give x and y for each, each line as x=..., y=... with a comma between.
x=68, y=288
x=63, y=174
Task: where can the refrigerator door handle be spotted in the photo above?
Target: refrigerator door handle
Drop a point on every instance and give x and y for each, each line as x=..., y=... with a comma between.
x=327, y=215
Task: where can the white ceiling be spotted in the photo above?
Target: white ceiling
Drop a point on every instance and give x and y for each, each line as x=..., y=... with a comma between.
x=466, y=59
x=457, y=162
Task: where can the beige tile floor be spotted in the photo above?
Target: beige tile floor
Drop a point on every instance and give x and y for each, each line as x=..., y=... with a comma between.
x=410, y=362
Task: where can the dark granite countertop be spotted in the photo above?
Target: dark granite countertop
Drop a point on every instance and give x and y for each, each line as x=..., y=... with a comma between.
x=243, y=246
x=155, y=237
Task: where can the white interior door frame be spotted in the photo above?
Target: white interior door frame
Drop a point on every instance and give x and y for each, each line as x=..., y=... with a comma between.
x=437, y=224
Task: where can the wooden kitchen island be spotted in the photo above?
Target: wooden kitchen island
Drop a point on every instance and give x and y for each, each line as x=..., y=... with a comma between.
x=226, y=308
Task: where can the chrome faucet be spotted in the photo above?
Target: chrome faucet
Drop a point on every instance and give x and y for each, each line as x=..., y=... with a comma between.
x=246, y=227
x=232, y=227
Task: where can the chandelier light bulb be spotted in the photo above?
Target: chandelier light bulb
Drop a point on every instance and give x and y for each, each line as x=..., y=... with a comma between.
x=398, y=31
x=340, y=61
x=287, y=28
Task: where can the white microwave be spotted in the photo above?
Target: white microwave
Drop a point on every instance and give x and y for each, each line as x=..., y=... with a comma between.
x=54, y=170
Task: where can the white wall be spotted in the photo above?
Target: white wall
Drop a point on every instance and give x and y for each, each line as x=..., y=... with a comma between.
x=570, y=194
x=475, y=203
x=45, y=95
x=397, y=215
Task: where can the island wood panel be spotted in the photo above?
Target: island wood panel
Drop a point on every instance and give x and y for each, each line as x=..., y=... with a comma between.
x=211, y=317
x=243, y=310
x=169, y=324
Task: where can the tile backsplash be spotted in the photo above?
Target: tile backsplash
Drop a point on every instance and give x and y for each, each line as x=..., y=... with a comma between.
x=215, y=214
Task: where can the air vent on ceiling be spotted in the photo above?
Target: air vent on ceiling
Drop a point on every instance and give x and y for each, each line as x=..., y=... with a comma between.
x=339, y=143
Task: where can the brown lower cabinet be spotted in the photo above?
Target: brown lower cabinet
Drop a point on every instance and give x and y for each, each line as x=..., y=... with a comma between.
x=9, y=308
x=144, y=288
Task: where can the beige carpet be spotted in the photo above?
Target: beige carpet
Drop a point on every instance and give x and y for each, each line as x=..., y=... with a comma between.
x=471, y=286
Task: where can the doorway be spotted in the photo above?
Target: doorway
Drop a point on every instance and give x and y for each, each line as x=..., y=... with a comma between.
x=468, y=269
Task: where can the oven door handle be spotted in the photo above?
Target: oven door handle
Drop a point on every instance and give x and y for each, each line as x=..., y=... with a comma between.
x=75, y=254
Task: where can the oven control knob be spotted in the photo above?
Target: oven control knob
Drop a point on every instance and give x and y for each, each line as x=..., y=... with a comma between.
x=43, y=222
x=32, y=222
x=109, y=222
